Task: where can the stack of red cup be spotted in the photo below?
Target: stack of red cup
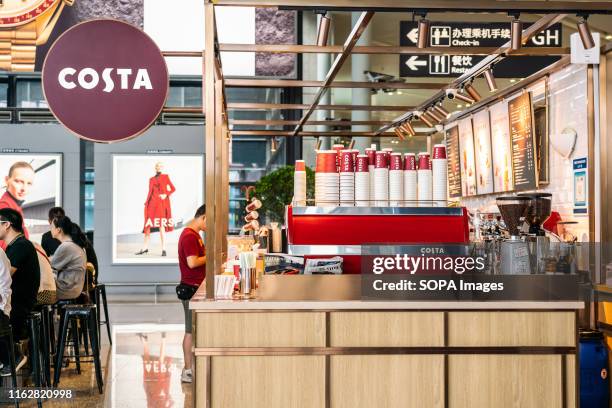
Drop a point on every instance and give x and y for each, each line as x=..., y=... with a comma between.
x=347, y=179
x=396, y=180
x=410, y=180
x=299, y=184
x=371, y=153
x=338, y=148
x=381, y=180
x=424, y=192
x=362, y=181
x=327, y=180
x=439, y=175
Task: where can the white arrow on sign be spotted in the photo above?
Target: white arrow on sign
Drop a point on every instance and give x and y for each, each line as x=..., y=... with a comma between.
x=414, y=63
x=413, y=35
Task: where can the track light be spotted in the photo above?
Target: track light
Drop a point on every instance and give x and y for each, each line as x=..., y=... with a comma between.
x=585, y=33
x=407, y=127
x=488, y=74
x=427, y=119
x=436, y=115
x=454, y=94
x=274, y=145
x=469, y=88
x=324, y=25
x=399, y=134
x=516, y=34
x=441, y=111
x=423, y=39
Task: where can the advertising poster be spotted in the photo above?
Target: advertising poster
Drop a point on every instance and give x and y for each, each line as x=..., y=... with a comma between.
x=482, y=149
x=154, y=196
x=467, y=160
x=503, y=179
x=523, y=142
x=581, y=186
x=32, y=183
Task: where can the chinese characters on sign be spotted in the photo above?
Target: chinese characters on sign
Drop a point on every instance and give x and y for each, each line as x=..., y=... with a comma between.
x=471, y=35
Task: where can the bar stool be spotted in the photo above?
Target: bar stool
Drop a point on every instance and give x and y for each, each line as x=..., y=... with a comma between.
x=34, y=323
x=100, y=294
x=69, y=316
x=6, y=335
x=47, y=341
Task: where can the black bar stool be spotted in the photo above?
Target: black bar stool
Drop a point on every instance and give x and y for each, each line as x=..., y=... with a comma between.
x=70, y=314
x=47, y=341
x=100, y=295
x=6, y=335
x=34, y=323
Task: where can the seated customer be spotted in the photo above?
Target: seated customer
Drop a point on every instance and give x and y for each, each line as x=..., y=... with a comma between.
x=5, y=299
x=49, y=243
x=69, y=260
x=25, y=273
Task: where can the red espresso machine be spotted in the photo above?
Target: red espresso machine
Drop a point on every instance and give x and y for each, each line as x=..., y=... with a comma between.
x=323, y=232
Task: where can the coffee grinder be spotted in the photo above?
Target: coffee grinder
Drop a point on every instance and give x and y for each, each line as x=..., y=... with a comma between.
x=539, y=244
x=514, y=251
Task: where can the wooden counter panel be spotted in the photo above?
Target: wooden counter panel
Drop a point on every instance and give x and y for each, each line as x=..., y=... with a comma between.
x=507, y=329
x=521, y=381
x=390, y=381
x=570, y=369
x=265, y=329
x=268, y=382
x=386, y=329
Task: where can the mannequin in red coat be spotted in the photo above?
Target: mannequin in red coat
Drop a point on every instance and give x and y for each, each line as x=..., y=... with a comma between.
x=157, y=209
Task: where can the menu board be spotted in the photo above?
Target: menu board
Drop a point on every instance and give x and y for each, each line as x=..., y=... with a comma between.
x=483, y=154
x=454, y=167
x=467, y=160
x=503, y=179
x=523, y=142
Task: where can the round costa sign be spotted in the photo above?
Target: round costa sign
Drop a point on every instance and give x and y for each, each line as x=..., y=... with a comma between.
x=105, y=80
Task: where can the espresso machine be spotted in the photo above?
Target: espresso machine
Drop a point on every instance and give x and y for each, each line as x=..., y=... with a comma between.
x=539, y=244
x=514, y=252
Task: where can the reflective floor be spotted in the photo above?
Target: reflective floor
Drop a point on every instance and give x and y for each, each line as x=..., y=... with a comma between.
x=141, y=369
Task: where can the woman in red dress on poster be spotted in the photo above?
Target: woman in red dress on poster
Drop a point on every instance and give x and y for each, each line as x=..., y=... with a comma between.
x=157, y=209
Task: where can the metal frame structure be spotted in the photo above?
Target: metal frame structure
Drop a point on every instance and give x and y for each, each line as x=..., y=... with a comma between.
x=218, y=127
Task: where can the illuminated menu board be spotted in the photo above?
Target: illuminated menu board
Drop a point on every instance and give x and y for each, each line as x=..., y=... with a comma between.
x=523, y=143
x=502, y=152
x=482, y=149
x=466, y=158
x=454, y=167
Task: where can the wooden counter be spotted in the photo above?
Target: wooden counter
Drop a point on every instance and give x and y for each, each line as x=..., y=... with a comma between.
x=384, y=354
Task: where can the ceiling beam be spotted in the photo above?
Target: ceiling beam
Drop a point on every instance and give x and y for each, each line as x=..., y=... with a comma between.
x=272, y=133
x=373, y=49
x=350, y=42
x=300, y=106
x=292, y=83
x=483, y=6
x=272, y=122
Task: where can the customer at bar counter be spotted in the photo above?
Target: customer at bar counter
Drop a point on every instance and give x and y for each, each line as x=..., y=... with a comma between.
x=192, y=263
x=18, y=183
x=5, y=300
x=25, y=273
x=47, y=241
x=69, y=261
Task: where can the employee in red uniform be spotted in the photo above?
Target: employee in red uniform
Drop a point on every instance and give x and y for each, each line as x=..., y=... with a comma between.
x=157, y=209
x=19, y=182
x=192, y=263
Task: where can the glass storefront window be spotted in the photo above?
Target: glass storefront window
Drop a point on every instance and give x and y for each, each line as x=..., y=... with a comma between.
x=185, y=95
x=3, y=94
x=29, y=94
x=89, y=200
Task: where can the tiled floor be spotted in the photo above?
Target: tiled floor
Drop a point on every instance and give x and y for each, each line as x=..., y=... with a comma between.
x=141, y=369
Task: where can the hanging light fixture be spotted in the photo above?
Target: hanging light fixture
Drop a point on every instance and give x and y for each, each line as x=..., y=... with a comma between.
x=399, y=134
x=423, y=39
x=585, y=33
x=435, y=114
x=459, y=96
x=274, y=145
x=469, y=88
x=438, y=108
x=407, y=127
x=516, y=33
x=428, y=120
x=488, y=74
x=324, y=26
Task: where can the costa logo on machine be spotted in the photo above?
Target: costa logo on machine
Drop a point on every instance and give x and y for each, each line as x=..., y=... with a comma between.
x=105, y=80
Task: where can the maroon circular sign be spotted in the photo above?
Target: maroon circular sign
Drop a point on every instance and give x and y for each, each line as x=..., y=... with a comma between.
x=105, y=80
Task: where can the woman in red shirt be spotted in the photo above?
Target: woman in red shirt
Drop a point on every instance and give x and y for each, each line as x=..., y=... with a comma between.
x=157, y=209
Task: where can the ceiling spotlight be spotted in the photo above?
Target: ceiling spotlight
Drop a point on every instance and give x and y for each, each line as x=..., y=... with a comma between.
x=399, y=134
x=423, y=39
x=274, y=145
x=407, y=127
x=436, y=115
x=585, y=33
x=488, y=74
x=324, y=25
x=428, y=120
x=516, y=34
x=441, y=111
x=469, y=88
x=463, y=97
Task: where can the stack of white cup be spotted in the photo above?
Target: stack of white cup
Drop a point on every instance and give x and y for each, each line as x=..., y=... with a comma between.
x=424, y=192
x=362, y=181
x=410, y=180
x=396, y=180
x=347, y=179
x=371, y=153
x=299, y=184
x=381, y=180
x=327, y=180
x=440, y=175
